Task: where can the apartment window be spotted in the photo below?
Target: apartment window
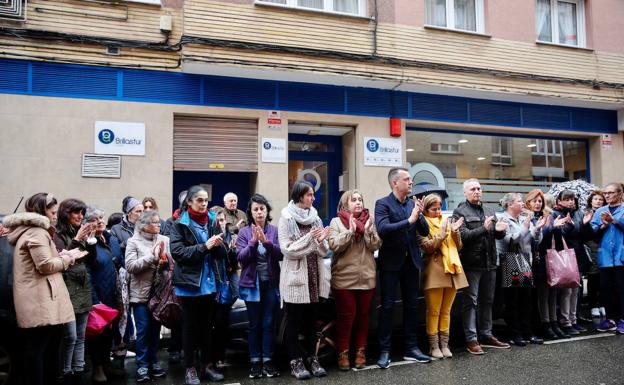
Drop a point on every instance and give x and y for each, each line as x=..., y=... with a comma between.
x=442, y=148
x=501, y=151
x=349, y=7
x=547, y=153
x=561, y=22
x=463, y=15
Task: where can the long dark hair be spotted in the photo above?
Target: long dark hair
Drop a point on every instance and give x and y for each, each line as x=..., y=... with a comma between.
x=67, y=207
x=300, y=189
x=261, y=200
x=39, y=203
x=192, y=191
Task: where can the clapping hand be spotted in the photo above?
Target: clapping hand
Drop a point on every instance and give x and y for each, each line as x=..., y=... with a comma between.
x=606, y=217
x=541, y=222
x=444, y=226
x=84, y=232
x=501, y=225
x=258, y=233
x=560, y=221
x=73, y=254
x=418, y=208
x=488, y=222
x=368, y=226
x=456, y=224
x=588, y=216
x=352, y=225
x=527, y=220
x=321, y=233
x=213, y=241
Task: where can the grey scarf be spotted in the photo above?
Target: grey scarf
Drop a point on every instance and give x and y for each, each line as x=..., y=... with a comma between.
x=303, y=217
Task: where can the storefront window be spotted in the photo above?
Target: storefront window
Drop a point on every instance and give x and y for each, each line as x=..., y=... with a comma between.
x=502, y=164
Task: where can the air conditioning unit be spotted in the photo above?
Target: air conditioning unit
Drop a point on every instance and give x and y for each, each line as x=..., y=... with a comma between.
x=13, y=10
x=101, y=166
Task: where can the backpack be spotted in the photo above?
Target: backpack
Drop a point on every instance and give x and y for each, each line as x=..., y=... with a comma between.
x=163, y=302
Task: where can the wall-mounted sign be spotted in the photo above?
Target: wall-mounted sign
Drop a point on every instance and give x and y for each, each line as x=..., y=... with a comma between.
x=606, y=141
x=274, y=121
x=120, y=138
x=384, y=152
x=273, y=150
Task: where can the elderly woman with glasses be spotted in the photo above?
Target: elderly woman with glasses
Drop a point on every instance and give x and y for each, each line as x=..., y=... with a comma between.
x=143, y=252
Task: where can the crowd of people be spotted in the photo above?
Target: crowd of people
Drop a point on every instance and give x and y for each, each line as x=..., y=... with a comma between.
x=67, y=259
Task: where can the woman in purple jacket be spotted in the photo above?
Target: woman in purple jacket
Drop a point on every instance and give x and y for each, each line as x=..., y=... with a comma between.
x=259, y=255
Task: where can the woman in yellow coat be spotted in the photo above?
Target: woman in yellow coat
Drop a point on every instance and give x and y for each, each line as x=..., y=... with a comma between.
x=443, y=274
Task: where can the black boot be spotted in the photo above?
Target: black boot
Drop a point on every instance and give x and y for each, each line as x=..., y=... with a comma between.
x=547, y=332
x=77, y=378
x=560, y=333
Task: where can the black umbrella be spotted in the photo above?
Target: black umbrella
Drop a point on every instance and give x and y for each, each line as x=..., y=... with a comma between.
x=420, y=190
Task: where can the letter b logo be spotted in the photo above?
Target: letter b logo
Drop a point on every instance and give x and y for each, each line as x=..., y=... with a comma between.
x=106, y=136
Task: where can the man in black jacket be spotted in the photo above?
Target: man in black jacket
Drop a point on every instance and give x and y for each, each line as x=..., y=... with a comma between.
x=479, y=260
x=398, y=219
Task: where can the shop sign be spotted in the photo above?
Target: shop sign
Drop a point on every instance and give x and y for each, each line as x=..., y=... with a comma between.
x=274, y=150
x=274, y=121
x=384, y=152
x=606, y=141
x=120, y=138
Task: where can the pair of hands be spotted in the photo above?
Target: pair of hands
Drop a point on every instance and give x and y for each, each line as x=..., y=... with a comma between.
x=606, y=218
x=416, y=211
x=320, y=233
x=86, y=230
x=257, y=234
x=499, y=225
x=367, y=226
x=160, y=251
x=73, y=254
x=455, y=224
x=540, y=222
x=561, y=221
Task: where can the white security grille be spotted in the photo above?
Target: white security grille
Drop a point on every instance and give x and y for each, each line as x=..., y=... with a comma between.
x=101, y=166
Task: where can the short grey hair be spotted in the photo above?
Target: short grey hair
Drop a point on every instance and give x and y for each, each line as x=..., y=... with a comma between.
x=509, y=198
x=393, y=174
x=228, y=195
x=145, y=219
x=93, y=212
x=471, y=180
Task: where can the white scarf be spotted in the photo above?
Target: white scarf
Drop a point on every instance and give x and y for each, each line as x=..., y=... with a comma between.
x=301, y=216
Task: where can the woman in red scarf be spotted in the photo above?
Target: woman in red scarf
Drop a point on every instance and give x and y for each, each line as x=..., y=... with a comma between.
x=353, y=240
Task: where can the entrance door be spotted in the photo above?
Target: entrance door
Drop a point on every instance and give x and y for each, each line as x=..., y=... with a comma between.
x=318, y=160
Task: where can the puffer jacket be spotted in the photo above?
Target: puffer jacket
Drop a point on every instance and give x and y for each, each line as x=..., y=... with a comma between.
x=39, y=293
x=77, y=277
x=479, y=244
x=141, y=263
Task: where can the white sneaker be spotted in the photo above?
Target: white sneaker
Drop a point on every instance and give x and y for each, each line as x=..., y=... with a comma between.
x=595, y=312
x=603, y=312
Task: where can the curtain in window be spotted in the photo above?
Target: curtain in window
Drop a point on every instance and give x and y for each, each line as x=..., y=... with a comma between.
x=567, y=23
x=465, y=15
x=543, y=23
x=436, y=12
x=318, y=4
x=347, y=6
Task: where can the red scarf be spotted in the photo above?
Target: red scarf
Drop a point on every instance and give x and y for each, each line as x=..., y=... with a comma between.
x=359, y=222
x=197, y=217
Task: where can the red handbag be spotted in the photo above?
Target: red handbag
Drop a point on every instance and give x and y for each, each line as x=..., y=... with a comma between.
x=100, y=317
x=561, y=267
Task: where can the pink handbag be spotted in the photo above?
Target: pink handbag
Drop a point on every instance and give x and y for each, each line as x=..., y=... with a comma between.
x=100, y=317
x=561, y=267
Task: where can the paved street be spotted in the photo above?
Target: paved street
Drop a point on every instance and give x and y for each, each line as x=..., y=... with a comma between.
x=593, y=359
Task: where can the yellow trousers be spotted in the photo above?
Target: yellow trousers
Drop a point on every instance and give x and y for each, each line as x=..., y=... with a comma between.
x=439, y=302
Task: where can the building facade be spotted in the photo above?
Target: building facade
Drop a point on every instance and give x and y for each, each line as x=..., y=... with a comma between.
x=99, y=100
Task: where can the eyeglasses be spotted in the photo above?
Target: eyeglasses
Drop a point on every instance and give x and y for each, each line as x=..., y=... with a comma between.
x=611, y=192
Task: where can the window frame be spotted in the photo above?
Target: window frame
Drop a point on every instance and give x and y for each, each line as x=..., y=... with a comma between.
x=328, y=6
x=554, y=23
x=448, y=151
x=450, y=17
x=499, y=144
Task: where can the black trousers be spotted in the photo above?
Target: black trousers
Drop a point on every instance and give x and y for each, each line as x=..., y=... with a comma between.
x=301, y=318
x=41, y=354
x=612, y=291
x=518, y=306
x=198, y=314
x=221, y=331
x=100, y=348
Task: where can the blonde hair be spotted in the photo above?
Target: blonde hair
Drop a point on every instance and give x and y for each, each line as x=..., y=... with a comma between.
x=343, y=204
x=429, y=200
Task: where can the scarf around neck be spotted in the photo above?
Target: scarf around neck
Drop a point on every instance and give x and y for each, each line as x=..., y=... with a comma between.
x=360, y=221
x=450, y=254
x=197, y=217
x=304, y=217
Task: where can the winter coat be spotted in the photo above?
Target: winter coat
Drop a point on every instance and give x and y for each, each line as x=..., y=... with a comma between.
x=77, y=276
x=141, y=263
x=479, y=245
x=247, y=250
x=39, y=292
x=518, y=237
x=104, y=272
x=123, y=231
x=434, y=276
x=353, y=263
x=575, y=235
x=611, y=250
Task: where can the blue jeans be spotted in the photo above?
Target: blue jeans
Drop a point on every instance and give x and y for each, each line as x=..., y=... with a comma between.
x=477, y=303
x=73, y=344
x=262, y=324
x=408, y=278
x=147, y=336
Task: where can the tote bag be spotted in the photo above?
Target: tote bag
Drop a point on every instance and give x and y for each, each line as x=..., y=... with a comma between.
x=516, y=270
x=561, y=267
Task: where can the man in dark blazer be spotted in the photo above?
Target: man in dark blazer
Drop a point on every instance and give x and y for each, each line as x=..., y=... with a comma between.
x=398, y=218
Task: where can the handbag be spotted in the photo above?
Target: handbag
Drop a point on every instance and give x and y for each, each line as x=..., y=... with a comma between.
x=163, y=303
x=100, y=317
x=561, y=267
x=516, y=270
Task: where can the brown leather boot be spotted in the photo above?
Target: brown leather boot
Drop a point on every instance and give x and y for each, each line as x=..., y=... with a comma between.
x=343, y=360
x=360, y=358
x=434, y=347
x=444, y=340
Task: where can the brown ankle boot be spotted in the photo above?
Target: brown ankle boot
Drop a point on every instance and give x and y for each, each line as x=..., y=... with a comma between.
x=444, y=340
x=434, y=347
x=343, y=360
x=360, y=358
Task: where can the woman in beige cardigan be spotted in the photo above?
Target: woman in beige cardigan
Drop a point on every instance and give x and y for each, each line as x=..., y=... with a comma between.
x=353, y=240
x=443, y=274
